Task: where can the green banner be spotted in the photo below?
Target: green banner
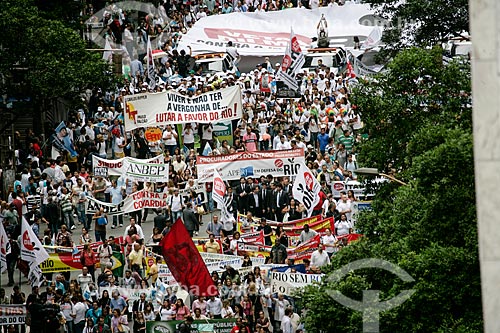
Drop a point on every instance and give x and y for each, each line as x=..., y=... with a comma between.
x=198, y=326
x=224, y=131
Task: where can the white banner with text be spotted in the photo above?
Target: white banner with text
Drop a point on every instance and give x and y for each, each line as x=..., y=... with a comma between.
x=161, y=109
x=153, y=169
x=279, y=163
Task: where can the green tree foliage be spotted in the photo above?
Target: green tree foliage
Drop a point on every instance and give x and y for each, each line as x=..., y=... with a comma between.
x=417, y=90
x=427, y=228
x=422, y=22
x=42, y=58
x=68, y=12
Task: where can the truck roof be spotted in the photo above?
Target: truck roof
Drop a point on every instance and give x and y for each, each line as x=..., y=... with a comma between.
x=209, y=56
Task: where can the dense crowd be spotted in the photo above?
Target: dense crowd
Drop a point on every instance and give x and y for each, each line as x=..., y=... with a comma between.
x=52, y=187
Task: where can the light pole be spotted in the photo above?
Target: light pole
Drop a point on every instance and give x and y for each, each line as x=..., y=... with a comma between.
x=375, y=172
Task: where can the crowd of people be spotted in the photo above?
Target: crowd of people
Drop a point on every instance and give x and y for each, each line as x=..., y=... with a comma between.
x=52, y=187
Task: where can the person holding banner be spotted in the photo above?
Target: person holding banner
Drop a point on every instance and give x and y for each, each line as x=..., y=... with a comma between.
x=319, y=258
x=212, y=246
x=280, y=306
x=116, y=194
x=119, y=322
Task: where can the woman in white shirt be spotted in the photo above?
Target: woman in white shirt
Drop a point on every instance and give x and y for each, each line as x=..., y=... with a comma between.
x=329, y=241
x=226, y=312
x=343, y=226
x=166, y=311
x=170, y=139
x=233, y=245
x=188, y=135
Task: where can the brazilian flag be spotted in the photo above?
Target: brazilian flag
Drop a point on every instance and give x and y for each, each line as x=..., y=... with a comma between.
x=118, y=263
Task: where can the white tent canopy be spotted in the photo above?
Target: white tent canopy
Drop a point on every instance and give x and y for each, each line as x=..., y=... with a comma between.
x=267, y=34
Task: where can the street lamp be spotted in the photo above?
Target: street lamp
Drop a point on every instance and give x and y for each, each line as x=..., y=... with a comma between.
x=375, y=172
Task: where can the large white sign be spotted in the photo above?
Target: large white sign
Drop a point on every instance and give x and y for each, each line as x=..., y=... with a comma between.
x=220, y=266
x=200, y=191
x=215, y=257
x=267, y=33
x=165, y=274
x=12, y=314
x=153, y=169
x=152, y=110
x=279, y=163
x=285, y=283
x=292, y=63
x=306, y=189
x=135, y=201
x=358, y=188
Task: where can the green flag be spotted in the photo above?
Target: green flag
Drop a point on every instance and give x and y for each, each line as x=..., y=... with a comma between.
x=118, y=263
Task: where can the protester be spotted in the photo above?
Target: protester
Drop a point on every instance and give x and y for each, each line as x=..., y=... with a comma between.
x=65, y=186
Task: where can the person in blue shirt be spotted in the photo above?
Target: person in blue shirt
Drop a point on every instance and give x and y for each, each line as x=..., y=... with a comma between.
x=227, y=9
x=323, y=138
x=94, y=312
x=118, y=302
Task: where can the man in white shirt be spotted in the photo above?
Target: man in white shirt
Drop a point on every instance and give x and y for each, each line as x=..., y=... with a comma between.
x=233, y=53
x=280, y=305
x=214, y=307
x=277, y=140
x=319, y=258
x=286, y=323
x=80, y=309
x=344, y=205
x=170, y=139
x=133, y=223
x=119, y=144
x=105, y=253
x=283, y=145
x=175, y=205
x=85, y=278
x=306, y=234
x=179, y=164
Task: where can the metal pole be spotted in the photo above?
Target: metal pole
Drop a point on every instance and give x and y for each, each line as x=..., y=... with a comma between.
x=393, y=179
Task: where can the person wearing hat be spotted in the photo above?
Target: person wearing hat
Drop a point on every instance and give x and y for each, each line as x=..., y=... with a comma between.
x=119, y=143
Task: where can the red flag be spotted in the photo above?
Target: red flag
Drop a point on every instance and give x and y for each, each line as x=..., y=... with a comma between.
x=185, y=262
x=350, y=70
